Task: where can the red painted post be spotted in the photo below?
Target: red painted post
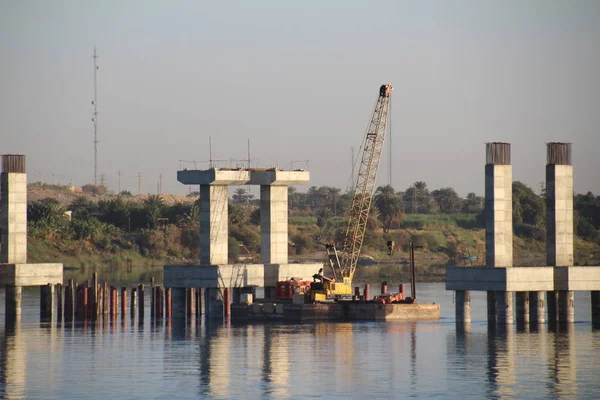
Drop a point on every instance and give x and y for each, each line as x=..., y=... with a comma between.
x=383, y=287
x=106, y=299
x=401, y=289
x=113, y=302
x=68, y=304
x=152, y=298
x=367, y=287
x=227, y=296
x=168, y=303
x=123, y=302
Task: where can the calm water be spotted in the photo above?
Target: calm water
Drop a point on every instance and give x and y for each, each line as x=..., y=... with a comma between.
x=325, y=360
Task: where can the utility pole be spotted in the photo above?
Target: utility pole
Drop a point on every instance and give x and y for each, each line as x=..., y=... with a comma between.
x=95, y=118
x=119, y=175
x=139, y=183
x=159, y=183
x=102, y=180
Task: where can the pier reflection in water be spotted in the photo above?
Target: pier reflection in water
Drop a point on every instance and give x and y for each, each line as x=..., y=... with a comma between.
x=145, y=359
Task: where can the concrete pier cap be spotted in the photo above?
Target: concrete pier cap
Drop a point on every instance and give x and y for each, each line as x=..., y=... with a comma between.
x=243, y=176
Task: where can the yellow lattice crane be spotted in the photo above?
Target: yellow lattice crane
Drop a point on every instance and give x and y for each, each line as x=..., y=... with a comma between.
x=340, y=285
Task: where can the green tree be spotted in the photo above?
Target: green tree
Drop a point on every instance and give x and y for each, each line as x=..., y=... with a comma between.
x=390, y=206
x=528, y=207
x=447, y=199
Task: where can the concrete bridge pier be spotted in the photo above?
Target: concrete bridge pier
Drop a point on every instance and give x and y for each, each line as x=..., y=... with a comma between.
x=214, y=303
x=566, y=306
x=178, y=303
x=537, y=308
x=46, y=303
x=504, y=307
x=522, y=307
x=491, y=307
x=595, y=308
x=463, y=306
x=552, y=306
x=12, y=305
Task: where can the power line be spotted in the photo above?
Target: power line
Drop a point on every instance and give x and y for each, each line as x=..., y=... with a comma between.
x=95, y=119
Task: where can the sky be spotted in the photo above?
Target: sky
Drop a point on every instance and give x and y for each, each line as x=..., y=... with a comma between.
x=298, y=80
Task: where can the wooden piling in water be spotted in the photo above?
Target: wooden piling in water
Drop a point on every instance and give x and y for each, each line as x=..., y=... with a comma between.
x=152, y=298
x=367, y=287
x=113, y=303
x=198, y=302
x=159, y=300
x=168, y=303
x=84, y=305
x=141, y=300
x=227, y=302
x=59, y=302
x=123, y=302
x=133, y=302
x=106, y=305
x=69, y=297
x=94, y=296
x=190, y=302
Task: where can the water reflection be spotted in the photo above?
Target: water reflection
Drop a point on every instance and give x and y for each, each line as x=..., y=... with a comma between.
x=12, y=360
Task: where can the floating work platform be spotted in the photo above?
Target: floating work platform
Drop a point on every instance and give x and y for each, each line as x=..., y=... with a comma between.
x=338, y=311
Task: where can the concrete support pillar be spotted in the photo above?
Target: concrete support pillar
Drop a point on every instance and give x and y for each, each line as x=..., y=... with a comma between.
x=12, y=305
x=498, y=206
x=463, y=306
x=566, y=306
x=46, y=302
x=522, y=306
x=537, y=308
x=178, y=303
x=552, y=306
x=273, y=224
x=213, y=304
x=491, y=307
x=213, y=224
x=595, y=308
x=504, y=307
x=559, y=205
x=13, y=210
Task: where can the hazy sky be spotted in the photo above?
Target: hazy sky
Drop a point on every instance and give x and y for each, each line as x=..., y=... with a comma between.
x=299, y=79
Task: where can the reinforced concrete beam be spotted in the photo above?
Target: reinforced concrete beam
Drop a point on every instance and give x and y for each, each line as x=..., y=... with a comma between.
x=228, y=176
x=30, y=274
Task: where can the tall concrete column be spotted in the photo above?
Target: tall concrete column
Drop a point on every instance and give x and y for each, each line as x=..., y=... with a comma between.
x=463, y=306
x=537, y=308
x=12, y=305
x=504, y=307
x=566, y=306
x=213, y=224
x=13, y=210
x=274, y=224
x=559, y=205
x=522, y=306
x=498, y=206
x=178, y=303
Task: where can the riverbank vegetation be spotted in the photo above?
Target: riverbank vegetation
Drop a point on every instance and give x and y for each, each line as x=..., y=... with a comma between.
x=125, y=232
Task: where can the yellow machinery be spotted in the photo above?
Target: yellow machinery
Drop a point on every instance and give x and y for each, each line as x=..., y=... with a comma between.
x=340, y=285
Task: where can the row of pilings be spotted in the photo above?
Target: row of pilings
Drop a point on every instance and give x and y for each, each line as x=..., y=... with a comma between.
x=96, y=301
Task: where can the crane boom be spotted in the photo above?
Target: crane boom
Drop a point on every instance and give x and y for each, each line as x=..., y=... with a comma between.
x=364, y=187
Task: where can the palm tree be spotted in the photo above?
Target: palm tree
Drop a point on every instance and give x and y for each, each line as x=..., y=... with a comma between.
x=239, y=196
x=389, y=205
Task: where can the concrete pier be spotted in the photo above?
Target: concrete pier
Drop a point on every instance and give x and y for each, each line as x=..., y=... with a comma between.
x=498, y=206
x=213, y=224
x=491, y=307
x=552, y=306
x=537, y=308
x=463, y=306
x=178, y=302
x=214, y=303
x=46, y=302
x=522, y=307
x=566, y=306
x=559, y=205
x=595, y=308
x=12, y=305
x=504, y=307
x=273, y=224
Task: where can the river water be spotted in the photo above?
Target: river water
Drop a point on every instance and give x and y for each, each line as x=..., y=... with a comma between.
x=375, y=360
